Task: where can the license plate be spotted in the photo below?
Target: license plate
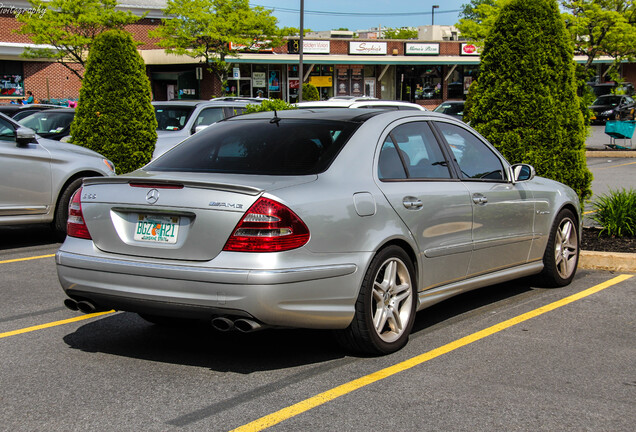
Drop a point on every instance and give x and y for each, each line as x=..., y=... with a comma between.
x=157, y=229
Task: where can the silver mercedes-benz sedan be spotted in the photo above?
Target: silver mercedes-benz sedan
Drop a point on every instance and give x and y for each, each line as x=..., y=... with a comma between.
x=340, y=219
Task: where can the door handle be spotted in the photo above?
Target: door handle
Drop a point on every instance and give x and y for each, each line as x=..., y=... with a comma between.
x=412, y=202
x=479, y=199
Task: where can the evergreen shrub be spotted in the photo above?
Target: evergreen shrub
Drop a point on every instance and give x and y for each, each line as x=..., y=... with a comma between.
x=115, y=116
x=310, y=93
x=524, y=101
x=269, y=105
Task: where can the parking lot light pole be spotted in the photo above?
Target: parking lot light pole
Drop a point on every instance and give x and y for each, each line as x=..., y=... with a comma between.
x=433, y=14
x=300, y=53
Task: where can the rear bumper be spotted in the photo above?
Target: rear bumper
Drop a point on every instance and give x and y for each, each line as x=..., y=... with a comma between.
x=310, y=296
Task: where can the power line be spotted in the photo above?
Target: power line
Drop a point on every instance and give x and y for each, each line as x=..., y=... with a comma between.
x=355, y=14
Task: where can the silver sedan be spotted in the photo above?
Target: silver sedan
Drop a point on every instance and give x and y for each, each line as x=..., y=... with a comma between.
x=38, y=175
x=340, y=219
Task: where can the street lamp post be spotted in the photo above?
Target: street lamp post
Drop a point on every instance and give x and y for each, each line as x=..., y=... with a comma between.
x=433, y=14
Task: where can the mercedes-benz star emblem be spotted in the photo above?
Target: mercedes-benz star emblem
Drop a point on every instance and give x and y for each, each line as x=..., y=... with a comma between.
x=152, y=196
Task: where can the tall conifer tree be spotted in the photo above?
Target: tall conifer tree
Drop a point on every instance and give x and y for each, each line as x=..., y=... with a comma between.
x=115, y=116
x=525, y=101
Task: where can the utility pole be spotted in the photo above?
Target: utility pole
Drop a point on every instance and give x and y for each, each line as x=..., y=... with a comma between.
x=300, y=51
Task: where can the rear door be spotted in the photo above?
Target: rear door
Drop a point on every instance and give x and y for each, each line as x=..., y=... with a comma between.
x=503, y=212
x=414, y=176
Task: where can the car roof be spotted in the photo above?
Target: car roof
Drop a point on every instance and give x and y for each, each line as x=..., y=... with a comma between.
x=203, y=103
x=376, y=103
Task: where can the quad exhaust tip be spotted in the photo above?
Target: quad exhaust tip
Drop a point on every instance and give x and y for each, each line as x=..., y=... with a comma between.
x=84, y=306
x=241, y=324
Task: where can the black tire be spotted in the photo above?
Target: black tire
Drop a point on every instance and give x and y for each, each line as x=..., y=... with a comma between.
x=61, y=210
x=386, y=305
x=561, y=256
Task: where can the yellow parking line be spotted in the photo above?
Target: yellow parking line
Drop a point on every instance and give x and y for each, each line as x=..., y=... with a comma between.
x=615, y=166
x=26, y=259
x=329, y=395
x=53, y=324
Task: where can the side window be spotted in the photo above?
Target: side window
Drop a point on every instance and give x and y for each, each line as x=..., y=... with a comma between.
x=420, y=151
x=475, y=159
x=209, y=116
x=389, y=165
x=6, y=131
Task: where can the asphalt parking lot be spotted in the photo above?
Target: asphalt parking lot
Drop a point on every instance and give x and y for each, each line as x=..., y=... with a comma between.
x=509, y=357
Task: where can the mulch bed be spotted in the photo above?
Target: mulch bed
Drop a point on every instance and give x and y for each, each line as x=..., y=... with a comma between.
x=592, y=242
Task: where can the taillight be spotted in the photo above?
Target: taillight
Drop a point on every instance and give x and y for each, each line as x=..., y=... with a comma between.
x=75, y=226
x=268, y=226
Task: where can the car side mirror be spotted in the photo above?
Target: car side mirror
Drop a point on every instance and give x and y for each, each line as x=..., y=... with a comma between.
x=24, y=136
x=200, y=128
x=522, y=172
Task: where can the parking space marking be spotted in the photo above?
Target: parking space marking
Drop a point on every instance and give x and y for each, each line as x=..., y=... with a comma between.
x=27, y=259
x=616, y=166
x=53, y=324
x=329, y=395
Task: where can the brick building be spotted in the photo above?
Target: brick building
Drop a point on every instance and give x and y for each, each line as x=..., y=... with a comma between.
x=425, y=72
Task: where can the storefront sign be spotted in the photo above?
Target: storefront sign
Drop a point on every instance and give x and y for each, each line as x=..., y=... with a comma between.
x=368, y=48
x=11, y=85
x=468, y=49
x=260, y=46
x=236, y=73
x=412, y=48
x=259, y=79
x=321, y=81
x=294, y=83
x=309, y=46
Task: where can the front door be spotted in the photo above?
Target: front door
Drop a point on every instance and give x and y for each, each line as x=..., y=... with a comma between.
x=503, y=212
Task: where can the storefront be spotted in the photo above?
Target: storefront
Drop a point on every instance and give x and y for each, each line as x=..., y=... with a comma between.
x=11, y=79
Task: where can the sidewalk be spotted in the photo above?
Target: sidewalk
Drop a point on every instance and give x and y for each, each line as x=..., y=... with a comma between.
x=613, y=261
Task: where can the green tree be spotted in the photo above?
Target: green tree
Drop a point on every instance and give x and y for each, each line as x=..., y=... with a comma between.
x=70, y=26
x=603, y=27
x=525, y=101
x=212, y=30
x=597, y=27
x=114, y=116
x=399, y=33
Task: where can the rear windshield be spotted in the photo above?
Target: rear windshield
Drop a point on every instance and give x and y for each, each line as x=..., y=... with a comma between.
x=172, y=118
x=288, y=147
x=608, y=100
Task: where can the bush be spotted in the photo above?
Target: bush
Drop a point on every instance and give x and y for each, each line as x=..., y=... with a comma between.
x=310, y=93
x=525, y=100
x=269, y=105
x=115, y=116
x=616, y=213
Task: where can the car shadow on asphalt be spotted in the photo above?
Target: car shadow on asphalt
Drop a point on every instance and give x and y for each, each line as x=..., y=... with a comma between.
x=126, y=334
x=14, y=237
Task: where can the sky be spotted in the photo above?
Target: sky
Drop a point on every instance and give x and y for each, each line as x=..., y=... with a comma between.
x=362, y=15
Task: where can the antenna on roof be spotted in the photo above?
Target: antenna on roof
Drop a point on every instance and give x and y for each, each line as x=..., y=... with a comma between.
x=275, y=119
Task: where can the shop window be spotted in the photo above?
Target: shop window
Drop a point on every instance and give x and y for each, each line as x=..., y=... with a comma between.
x=11, y=79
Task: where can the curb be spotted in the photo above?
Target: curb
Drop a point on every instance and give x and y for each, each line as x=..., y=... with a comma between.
x=614, y=261
x=610, y=153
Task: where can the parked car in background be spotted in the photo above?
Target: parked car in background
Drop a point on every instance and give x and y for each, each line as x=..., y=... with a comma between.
x=613, y=107
x=54, y=124
x=177, y=120
x=344, y=219
x=361, y=103
x=18, y=112
x=38, y=175
x=451, y=108
x=601, y=89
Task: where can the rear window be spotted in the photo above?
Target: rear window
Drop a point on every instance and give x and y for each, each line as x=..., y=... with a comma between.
x=288, y=147
x=172, y=118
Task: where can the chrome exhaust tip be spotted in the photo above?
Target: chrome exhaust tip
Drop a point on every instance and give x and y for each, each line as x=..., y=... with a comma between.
x=71, y=304
x=247, y=325
x=222, y=324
